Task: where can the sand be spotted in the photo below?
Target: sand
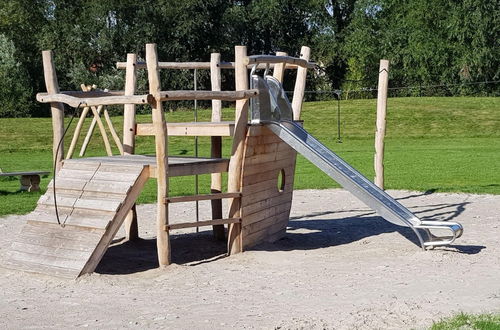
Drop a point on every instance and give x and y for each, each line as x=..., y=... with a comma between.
x=339, y=267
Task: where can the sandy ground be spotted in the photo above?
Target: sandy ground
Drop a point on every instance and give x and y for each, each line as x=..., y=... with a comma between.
x=339, y=267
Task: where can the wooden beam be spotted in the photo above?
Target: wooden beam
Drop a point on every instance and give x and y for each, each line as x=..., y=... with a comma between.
x=300, y=84
x=383, y=83
x=207, y=95
x=268, y=59
x=203, y=65
x=131, y=226
x=190, y=129
x=202, y=223
x=56, y=109
x=161, y=146
x=237, y=150
x=74, y=101
x=216, y=145
x=204, y=197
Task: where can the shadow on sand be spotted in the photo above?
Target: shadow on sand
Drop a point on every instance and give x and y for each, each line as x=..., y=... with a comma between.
x=193, y=249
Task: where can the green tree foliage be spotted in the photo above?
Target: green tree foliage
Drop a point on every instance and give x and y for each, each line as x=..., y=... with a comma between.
x=427, y=41
x=15, y=90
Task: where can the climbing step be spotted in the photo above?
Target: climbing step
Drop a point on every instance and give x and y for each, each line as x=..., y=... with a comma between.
x=93, y=199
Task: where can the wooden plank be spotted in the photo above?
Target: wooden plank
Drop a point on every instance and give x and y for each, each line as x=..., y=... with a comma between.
x=114, y=176
x=81, y=164
x=194, y=168
x=271, y=157
x=263, y=139
x=121, y=168
x=225, y=128
x=265, y=215
x=65, y=173
x=29, y=247
x=38, y=229
x=202, y=223
x=208, y=95
x=268, y=166
x=267, y=175
x=62, y=201
x=108, y=187
x=249, y=208
x=68, y=184
x=47, y=260
x=266, y=194
x=34, y=267
x=96, y=204
x=204, y=197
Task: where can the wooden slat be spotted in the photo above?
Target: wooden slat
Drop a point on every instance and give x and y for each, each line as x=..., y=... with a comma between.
x=35, y=228
x=265, y=215
x=47, y=260
x=268, y=166
x=267, y=234
x=202, y=223
x=267, y=175
x=35, y=267
x=68, y=184
x=208, y=95
x=225, y=128
x=108, y=187
x=28, y=247
x=204, y=197
x=65, y=173
x=249, y=208
x=96, y=204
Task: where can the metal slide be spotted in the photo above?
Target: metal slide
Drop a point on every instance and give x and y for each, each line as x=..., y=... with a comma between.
x=271, y=109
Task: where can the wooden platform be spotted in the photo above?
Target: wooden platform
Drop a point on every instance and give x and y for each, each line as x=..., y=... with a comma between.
x=177, y=166
x=93, y=200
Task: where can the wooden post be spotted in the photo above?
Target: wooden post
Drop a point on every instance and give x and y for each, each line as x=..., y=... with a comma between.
x=383, y=83
x=300, y=84
x=160, y=127
x=216, y=147
x=235, y=163
x=56, y=108
x=131, y=226
x=279, y=69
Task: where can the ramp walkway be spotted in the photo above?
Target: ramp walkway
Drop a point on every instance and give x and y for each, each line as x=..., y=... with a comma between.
x=93, y=200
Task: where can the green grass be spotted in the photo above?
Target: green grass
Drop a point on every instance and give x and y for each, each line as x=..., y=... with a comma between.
x=468, y=321
x=438, y=144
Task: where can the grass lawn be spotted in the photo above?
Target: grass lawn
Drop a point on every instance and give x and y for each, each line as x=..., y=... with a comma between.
x=432, y=143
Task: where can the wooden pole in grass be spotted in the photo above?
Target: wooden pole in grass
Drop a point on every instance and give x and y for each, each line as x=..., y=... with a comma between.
x=383, y=83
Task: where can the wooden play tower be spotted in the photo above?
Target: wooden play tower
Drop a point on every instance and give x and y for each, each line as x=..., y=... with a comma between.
x=96, y=195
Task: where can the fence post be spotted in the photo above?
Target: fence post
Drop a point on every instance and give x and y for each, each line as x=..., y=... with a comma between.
x=383, y=82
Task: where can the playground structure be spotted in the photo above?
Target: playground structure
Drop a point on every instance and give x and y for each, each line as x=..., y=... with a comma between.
x=96, y=195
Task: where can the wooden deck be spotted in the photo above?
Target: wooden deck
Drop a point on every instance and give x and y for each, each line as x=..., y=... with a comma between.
x=177, y=166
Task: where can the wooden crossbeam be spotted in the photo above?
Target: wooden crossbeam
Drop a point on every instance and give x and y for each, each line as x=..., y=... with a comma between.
x=74, y=101
x=208, y=95
x=201, y=65
x=204, y=197
x=202, y=223
x=268, y=59
x=190, y=129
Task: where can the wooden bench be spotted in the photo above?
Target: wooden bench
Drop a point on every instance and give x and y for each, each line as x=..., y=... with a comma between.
x=30, y=181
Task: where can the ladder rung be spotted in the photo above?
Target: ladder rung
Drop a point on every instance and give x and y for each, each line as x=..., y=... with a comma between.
x=205, y=197
x=202, y=223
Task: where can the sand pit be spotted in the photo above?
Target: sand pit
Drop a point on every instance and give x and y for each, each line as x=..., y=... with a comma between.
x=339, y=267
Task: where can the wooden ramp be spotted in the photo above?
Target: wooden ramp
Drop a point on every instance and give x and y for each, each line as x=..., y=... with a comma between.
x=93, y=200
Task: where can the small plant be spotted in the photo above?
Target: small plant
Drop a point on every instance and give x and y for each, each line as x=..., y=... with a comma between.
x=468, y=321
